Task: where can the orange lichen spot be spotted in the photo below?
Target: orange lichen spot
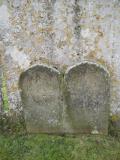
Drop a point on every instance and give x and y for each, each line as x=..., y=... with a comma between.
x=40, y=39
x=44, y=60
x=98, y=17
x=100, y=33
x=102, y=61
x=50, y=29
x=91, y=55
x=14, y=88
x=68, y=35
x=45, y=29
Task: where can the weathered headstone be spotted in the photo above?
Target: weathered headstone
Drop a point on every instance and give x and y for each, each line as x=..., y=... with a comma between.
x=87, y=98
x=41, y=97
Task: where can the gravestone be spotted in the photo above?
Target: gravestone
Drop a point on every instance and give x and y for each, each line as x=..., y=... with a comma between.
x=41, y=97
x=86, y=94
x=87, y=98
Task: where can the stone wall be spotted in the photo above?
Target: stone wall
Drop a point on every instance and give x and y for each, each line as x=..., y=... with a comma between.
x=60, y=33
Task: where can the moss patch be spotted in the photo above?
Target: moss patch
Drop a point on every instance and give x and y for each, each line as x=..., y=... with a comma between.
x=115, y=118
x=12, y=123
x=114, y=130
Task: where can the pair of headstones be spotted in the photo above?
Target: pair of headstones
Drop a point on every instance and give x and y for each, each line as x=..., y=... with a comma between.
x=77, y=102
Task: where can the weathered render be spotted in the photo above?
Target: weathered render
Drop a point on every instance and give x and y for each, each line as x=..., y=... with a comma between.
x=60, y=34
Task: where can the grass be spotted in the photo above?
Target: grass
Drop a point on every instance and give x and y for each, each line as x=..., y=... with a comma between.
x=44, y=147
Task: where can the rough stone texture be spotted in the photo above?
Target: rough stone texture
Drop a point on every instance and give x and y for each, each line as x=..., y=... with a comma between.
x=85, y=92
x=41, y=95
x=87, y=98
x=60, y=33
x=0, y=84
x=2, y=51
x=1, y=104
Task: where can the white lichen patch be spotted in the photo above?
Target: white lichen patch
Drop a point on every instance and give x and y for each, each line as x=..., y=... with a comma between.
x=85, y=33
x=4, y=17
x=18, y=56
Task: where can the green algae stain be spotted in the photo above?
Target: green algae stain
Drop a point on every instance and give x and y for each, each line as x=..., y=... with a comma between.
x=1, y=2
x=4, y=94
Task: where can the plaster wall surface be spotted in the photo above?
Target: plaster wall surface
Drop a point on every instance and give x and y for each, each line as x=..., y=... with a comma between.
x=60, y=33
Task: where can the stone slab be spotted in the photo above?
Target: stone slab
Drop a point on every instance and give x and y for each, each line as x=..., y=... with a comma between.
x=87, y=99
x=41, y=97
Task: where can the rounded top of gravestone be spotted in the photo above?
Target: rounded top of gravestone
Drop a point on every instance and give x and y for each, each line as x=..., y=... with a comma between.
x=88, y=63
x=34, y=68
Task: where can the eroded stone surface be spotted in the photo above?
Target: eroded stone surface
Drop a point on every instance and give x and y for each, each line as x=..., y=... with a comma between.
x=41, y=98
x=60, y=33
x=2, y=51
x=86, y=94
x=87, y=98
x=1, y=104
